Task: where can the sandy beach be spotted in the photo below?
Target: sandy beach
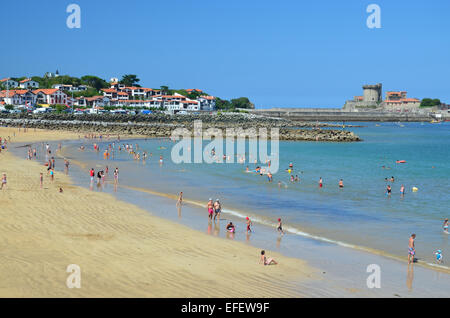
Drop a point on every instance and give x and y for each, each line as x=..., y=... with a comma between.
x=122, y=250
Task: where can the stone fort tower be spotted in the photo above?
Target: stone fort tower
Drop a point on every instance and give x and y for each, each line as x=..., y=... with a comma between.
x=372, y=93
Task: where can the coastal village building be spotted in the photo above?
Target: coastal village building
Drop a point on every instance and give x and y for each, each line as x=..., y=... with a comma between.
x=398, y=101
x=17, y=97
x=9, y=83
x=207, y=103
x=50, y=96
x=28, y=83
x=70, y=88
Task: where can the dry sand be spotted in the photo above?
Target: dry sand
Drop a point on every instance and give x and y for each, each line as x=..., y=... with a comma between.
x=122, y=250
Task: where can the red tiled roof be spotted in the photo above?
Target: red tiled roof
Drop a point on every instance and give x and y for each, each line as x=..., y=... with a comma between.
x=109, y=90
x=25, y=80
x=46, y=91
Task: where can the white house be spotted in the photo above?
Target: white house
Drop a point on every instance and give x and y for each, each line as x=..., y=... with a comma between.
x=18, y=97
x=9, y=83
x=28, y=83
x=207, y=103
x=50, y=96
x=70, y=88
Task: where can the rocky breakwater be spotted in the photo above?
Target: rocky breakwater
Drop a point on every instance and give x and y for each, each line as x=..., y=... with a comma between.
x=162, y=125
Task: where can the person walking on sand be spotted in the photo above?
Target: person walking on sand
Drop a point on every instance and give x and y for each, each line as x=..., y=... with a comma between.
x=210, y=209
x=266, y=261
x=217, y=210
x=41, y=180
x=411, y=249
x=280, y=227
x=3, y=181
x=52, y=175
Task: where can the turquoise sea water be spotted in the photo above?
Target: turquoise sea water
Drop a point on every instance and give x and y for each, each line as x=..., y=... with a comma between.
x=360, y=214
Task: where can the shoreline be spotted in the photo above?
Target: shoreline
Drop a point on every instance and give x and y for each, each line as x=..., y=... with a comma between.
x=287, y=229
x=122, y=250
x=343, y=280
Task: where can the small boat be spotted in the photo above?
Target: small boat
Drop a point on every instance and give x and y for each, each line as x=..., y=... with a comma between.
x=401, y=161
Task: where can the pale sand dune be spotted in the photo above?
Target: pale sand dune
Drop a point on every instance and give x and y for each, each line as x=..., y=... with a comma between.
x=122, y=250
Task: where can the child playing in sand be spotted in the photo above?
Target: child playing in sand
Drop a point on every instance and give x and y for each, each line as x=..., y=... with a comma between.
x=266, y=261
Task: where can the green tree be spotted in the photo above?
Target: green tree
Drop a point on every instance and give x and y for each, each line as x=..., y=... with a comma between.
x=428, y=102
x=94, y=81
x=130, y=80
x=241, y=102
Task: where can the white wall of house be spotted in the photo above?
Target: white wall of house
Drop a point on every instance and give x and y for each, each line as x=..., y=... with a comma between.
x=10, y=84
x=29, y=84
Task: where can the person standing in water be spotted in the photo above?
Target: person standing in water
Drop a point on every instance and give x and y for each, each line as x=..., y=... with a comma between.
x=445, y=226
x=249, y=223
x=341, y=183
x=217, y=210
x=320, y=182
x=210, y=209
x=280, y=227
x=411, y=249
x=180, y=199
x=388, y=190
x=402, y=190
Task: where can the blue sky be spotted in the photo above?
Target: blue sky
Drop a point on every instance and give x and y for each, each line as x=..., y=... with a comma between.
x=283, y=53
